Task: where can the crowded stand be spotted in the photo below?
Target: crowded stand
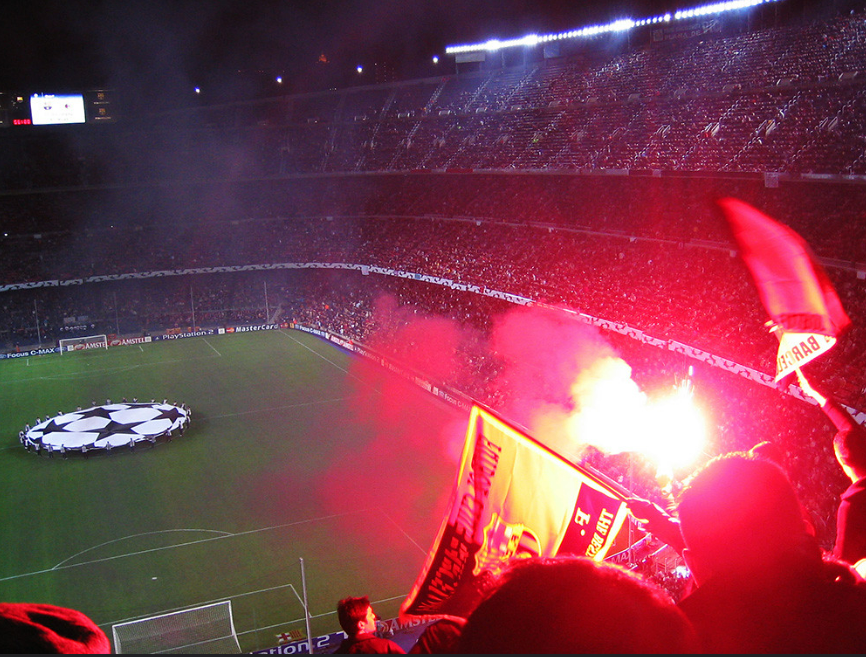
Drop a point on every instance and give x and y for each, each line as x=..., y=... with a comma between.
x=634, y=257
x=786, y=99
x=587, y=183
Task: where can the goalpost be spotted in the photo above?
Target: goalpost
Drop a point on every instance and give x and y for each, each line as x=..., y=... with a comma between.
x=80, y=344
x=209, y=629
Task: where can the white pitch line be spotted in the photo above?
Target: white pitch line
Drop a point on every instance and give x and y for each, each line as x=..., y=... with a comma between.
x=212, y=347
x=411, y=540
x=117, y=540
x=172, y=547
x=300, y=599
x=277, y=408
x=108, y=370
x=82, y=375
x=313, y=351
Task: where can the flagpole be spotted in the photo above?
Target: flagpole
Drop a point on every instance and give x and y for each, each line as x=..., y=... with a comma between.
x=116, y=320
x=38, y=331
x=192, y=306
x=306, y=606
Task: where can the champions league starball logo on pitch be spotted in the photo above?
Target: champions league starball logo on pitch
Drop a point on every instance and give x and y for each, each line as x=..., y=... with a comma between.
x=108, y=426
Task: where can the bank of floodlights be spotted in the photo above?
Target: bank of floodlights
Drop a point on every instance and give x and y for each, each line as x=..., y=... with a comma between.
x=620, y=25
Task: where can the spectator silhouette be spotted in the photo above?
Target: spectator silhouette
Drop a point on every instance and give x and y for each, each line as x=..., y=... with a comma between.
x=441, y=637
x=575, y=605
x=762, y=586
x=666, y=526
x=42, y=628
x=849, y=445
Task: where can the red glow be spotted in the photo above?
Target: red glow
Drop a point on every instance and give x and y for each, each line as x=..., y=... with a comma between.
x=614, y=415
x=567, y=384
x=676, y=431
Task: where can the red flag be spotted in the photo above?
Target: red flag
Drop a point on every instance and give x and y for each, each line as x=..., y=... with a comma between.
x=792, y=285
x=513, y=498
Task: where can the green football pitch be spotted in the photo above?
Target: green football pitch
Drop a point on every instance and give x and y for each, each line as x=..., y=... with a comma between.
x=297, y=451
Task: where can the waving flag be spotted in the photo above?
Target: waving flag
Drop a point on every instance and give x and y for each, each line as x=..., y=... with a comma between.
x=513, y=498
x=791, y=283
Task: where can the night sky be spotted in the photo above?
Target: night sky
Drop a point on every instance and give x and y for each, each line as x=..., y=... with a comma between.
x=162, y=49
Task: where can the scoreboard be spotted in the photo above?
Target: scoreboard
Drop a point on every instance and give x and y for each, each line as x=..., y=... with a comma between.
x=19, y=109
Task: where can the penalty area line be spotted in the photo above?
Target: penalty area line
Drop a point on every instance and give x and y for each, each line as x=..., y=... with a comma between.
x=126, y=538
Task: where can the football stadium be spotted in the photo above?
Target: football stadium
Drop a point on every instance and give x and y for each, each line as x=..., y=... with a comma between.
x=561, y=341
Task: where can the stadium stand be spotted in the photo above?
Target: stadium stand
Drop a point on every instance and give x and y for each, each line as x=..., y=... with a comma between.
x=785, y=99
x=584, y=182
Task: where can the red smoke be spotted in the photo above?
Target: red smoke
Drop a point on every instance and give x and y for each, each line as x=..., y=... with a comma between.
x=410, y=461
x=420, y=342
x=556, y=376
x=542, y=351
x=406, y=464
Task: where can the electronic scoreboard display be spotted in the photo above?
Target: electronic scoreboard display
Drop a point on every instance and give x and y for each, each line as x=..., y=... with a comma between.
x=56, y=109
x=37, y=109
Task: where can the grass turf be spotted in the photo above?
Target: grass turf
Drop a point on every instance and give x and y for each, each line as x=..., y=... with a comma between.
x=293, y=453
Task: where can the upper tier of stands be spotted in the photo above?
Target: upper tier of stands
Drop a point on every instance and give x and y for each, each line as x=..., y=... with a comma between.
x=786, y=100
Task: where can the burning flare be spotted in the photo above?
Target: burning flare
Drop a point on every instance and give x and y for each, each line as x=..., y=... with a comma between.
x=613, y=415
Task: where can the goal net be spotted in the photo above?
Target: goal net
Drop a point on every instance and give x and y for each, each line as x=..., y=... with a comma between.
x=203, y=630
x=80, y=344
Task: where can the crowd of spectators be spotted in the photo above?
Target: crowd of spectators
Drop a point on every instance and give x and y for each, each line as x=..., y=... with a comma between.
x=785, y=99
x=679, y=209
x=744, y=414
x=652, y=253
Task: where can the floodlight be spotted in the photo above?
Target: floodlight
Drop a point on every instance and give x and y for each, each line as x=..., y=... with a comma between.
x=620, y=25
x=718, y=7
